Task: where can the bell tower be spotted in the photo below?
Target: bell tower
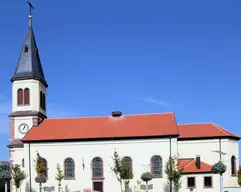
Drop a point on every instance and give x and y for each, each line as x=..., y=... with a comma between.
x=28, y=89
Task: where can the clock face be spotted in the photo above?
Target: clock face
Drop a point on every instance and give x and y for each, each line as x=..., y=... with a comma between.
x=23, y=128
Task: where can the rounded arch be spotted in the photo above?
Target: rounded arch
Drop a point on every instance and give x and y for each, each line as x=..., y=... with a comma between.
x=233, y=165
x=128, y=161
x=26, y=96
x=20, y=96
x=45, y=166
x=69, y=168
x=97, y=168
x=156, y=166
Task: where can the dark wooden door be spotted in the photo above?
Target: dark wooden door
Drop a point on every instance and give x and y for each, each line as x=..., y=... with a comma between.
x=98, y=186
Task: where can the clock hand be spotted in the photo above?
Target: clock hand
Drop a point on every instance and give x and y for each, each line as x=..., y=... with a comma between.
x=23, y=127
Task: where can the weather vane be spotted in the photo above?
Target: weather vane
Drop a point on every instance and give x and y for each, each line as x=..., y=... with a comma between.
x=30, y=7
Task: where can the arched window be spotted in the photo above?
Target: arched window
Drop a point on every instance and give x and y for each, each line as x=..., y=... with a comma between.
x=69, y=169
x=20, y=97
x=128, y=162
x=45, y=166
x=26, y=96
x=22, y=163
x=41, y=99
x=44, y=102
x=97, y=168
x=233, y=165
x=156, y=166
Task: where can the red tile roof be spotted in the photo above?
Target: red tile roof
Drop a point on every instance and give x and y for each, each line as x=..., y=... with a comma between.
x=203, y=130
x=104, y=127
x=189, y=166
x=143, y=125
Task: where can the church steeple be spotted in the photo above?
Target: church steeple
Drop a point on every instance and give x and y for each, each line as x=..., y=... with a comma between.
x=29, y=64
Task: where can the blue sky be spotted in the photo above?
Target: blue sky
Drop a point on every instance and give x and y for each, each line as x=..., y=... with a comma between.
x=132, y=55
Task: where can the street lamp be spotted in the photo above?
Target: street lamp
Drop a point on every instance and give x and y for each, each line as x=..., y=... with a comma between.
x=221, y=176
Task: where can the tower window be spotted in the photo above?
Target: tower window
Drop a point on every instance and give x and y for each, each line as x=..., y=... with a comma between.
x=233, y=165
x=20, y=97
x=26, y=49
x=44, y=102
x=41, y=99
x=26, y=96
x=23, y=163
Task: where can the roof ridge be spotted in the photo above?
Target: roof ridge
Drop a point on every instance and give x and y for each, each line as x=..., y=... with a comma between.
x=186, y=158
x=221, y=129
x=205, y=163
x=104, y=116
x=189, y=163
x=194, y=123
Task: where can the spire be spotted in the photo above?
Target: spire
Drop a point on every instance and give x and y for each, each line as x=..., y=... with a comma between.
x=29, y=64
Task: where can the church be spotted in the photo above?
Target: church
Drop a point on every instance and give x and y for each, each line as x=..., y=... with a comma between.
x=84, y=147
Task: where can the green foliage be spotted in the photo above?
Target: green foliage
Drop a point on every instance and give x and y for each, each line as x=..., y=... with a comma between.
x=239, y=177
x=18, y=175
x=121, y=170
x=173, y=173
x=59, y=176
x=40, y=178
x=5, y=172
x=40, y=168
x=146, y=177
x=219, y=168
x=4, y=176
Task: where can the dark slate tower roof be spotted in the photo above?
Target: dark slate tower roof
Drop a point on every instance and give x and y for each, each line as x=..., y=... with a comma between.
x=29, y=64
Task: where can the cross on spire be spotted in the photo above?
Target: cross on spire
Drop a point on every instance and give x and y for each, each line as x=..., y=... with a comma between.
x=30, y=7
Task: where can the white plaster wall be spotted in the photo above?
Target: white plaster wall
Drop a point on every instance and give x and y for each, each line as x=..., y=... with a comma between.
x=35, y=88
x=140, y=151
x=17, y=122
x=231, y=148
x=199, y=182
x=16, y=158
x=205, y=148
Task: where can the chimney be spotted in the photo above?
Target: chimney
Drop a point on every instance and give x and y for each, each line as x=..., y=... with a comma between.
x=198, y=162
x=116, y=113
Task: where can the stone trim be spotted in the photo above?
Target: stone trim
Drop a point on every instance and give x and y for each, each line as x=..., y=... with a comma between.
x=27, y=113
x=11, y=126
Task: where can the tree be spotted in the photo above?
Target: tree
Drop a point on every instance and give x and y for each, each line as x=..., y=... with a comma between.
x=122, y=171
x=18, y=176
x=41, y=171
x=5, y=175
x=146, y=177
x=59, y=176
x=174, y=173
x=219, y=168
x=239, y=177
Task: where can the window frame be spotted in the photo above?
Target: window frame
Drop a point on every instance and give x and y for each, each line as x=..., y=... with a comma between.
x=26, y=48
x=204, y=186
x=188, y=187
x=233, y=166
x=41, y=99
x=65, y=176
x=46, y=166
x=102, y=169
x=26, y=96
x=20, y=96
x=130, y=163
x=152, y=167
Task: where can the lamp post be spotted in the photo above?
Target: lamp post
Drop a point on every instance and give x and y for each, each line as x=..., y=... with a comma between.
x=221, y=176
